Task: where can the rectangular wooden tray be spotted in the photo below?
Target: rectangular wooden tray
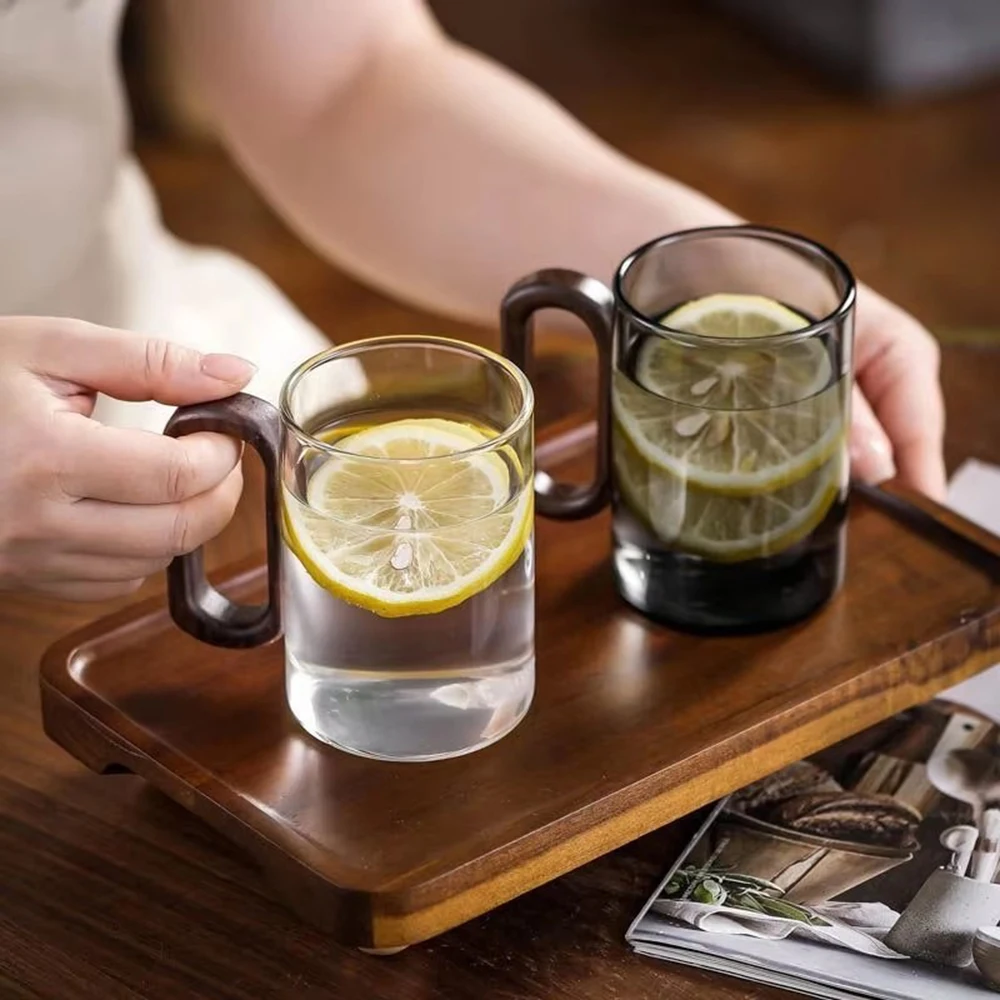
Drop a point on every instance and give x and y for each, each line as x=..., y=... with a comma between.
x=633, y=725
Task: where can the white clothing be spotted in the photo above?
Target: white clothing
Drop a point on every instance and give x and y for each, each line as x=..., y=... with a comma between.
x=80, y=233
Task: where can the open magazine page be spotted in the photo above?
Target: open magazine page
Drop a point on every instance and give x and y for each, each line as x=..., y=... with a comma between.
x=866, y=871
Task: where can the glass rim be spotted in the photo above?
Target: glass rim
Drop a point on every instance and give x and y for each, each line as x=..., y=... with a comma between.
x=770, y=234
x=353, y=348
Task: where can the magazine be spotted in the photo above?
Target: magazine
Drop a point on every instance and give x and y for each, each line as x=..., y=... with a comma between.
x=871, y=869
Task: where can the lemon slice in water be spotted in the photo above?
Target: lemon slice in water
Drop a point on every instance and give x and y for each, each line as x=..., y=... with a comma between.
x=415, y=524
x=734, y=316
x=720, y=526
x=732, y=419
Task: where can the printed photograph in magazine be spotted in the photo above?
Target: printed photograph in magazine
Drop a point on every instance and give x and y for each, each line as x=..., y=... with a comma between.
x=868, y=870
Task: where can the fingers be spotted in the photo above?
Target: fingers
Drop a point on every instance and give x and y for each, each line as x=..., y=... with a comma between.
x=81, y=568
x=871, y=450
x=132, y=366
x=897, y=365
x=89, y=510
x=99, y=551
x=87, y=591
x=152, y=532
x=136, y=467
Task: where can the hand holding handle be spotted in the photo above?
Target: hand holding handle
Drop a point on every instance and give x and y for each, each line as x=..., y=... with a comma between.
x=195, y=605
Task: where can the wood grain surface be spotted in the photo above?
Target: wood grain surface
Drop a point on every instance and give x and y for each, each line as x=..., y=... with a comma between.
x=633, y=725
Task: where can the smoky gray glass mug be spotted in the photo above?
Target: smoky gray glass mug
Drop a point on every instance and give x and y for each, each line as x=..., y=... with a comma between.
x=725, y=361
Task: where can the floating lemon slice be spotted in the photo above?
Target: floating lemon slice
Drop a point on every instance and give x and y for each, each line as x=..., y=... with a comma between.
x=416, y=523
x=741, y=419
x=734, y=316
x=721, y=526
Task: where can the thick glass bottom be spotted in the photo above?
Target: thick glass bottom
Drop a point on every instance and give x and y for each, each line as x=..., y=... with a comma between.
x=412, y=716
x=696, y=594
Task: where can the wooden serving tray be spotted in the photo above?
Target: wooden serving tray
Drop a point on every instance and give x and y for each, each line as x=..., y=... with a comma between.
x=633, y=725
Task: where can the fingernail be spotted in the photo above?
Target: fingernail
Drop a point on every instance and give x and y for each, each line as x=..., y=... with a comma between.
x=878, y=458
x=228, y=368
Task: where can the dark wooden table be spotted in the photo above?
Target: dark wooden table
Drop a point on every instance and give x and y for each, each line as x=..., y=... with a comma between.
x=108, y=890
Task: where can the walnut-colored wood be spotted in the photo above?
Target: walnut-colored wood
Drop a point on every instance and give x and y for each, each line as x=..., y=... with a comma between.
x=633, y=725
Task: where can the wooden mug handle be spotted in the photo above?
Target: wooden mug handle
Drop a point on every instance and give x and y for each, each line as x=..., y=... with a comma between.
x=195, y=605
x=593, y=303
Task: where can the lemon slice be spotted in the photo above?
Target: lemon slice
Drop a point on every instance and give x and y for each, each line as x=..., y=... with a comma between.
x=718, y=526
x=733, y=419
x=416, y=523
x=734, y=316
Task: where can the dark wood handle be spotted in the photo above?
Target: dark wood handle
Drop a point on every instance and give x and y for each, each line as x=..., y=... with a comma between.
x=195, y=605
x=592, y=302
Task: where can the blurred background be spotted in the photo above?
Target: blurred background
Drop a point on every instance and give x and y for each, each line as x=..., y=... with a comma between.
x=870, y=125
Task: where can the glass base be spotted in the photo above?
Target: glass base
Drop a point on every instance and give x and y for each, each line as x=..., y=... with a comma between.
x=410, y=716
x=698, y=595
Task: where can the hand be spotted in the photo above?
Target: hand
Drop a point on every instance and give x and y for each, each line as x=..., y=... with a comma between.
x=898, y=425
x=87, y=511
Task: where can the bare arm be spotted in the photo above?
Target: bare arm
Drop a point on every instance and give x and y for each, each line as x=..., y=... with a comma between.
x=436, y=175
x=417, y=164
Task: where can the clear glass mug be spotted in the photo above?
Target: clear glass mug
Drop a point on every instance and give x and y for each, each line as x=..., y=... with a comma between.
x=400, y=545
x=725, y=357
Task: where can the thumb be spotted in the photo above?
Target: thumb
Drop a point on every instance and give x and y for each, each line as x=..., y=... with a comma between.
x=134, y=367
x=871, y=451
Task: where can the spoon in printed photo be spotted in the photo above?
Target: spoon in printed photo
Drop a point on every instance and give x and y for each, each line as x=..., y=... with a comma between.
x=984, y=859
x=961, y=841
x=969, y=775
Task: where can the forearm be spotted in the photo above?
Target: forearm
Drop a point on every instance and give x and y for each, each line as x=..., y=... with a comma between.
x=442, y=178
